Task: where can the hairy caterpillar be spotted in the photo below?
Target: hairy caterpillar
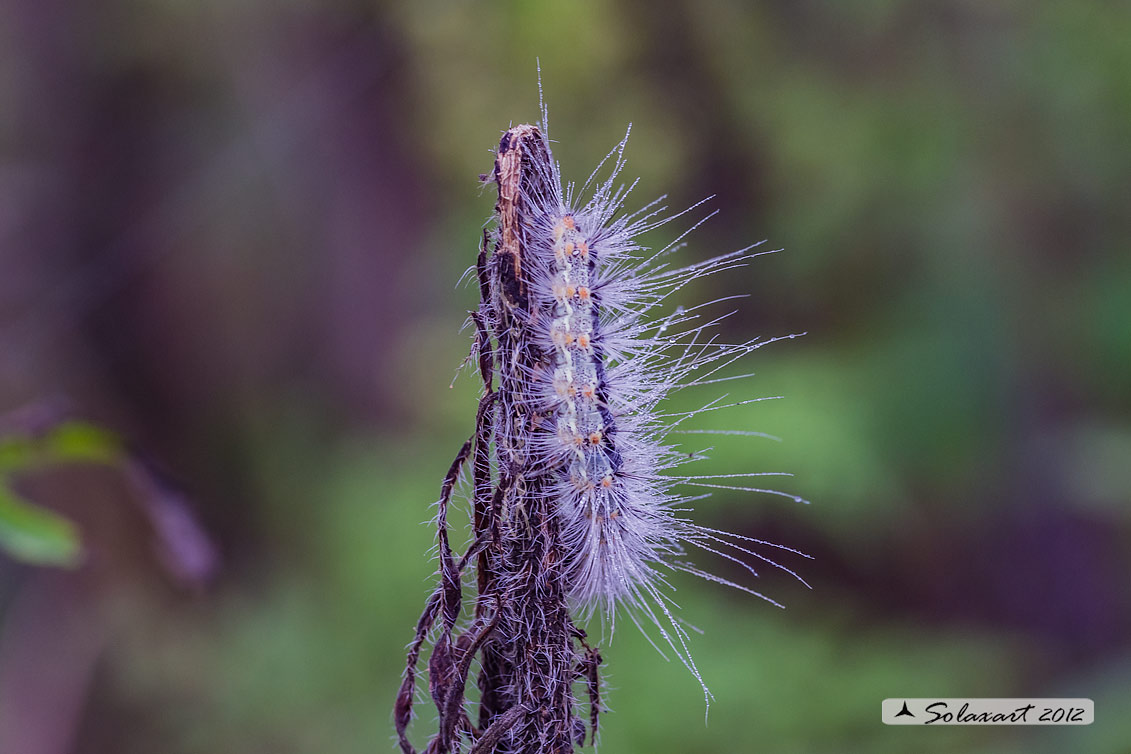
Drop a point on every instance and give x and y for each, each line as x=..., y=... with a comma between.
x=606, y=366
x=577, y=504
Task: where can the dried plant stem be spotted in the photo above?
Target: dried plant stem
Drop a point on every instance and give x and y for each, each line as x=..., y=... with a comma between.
x=530, y=651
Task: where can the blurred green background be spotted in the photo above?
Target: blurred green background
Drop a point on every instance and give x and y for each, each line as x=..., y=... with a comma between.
x=232, y=233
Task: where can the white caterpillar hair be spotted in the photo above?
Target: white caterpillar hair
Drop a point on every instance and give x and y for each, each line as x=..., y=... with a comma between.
x=578, y=503
x=609, y=356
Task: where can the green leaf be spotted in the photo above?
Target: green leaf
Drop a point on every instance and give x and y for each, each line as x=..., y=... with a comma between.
x=79, y=442
x=70, y=442
x=35, y=535
x=16, y=453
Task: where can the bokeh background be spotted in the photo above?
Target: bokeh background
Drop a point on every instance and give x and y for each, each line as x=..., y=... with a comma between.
x=231, y=232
